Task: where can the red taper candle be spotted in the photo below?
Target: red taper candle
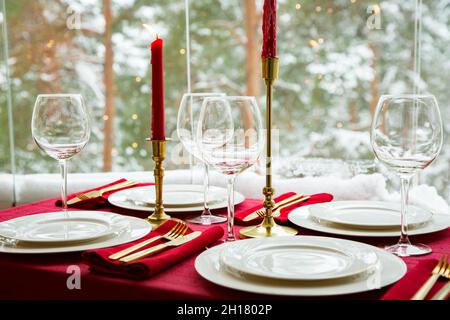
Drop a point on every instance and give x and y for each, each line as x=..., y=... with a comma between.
x=269, y=28
x=158, y=131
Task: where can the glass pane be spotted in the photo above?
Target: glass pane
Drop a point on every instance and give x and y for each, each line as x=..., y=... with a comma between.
x=61, y=46
x=7, y=169
x=336, y=59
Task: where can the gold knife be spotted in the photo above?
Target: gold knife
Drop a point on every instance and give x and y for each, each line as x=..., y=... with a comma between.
x=255, y=215
x=153, y=250
x=98, y=193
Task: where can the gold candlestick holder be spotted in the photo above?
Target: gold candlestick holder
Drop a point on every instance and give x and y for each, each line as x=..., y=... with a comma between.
x=268, y=227
x=159, y=154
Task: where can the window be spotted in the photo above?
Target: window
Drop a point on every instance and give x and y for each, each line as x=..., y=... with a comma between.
x=337, y=57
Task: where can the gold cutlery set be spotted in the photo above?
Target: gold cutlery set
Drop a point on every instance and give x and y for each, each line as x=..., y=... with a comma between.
x=175, y=236
x=98, y=193
x=278, y=207
x=442, y=269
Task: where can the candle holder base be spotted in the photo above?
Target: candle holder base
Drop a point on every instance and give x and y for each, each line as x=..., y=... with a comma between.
x=262, y=231
x=157, y=219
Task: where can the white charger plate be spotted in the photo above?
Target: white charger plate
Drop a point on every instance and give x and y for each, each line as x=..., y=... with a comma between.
x=62, y=227
x=174, y=195
x=298, y=258
x=301, y=217
x=368, y=214
x=138, y=199
x=137, y=228
x=389, y=269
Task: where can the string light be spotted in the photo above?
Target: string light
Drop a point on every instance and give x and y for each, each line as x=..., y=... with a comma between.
x=376, y=9
x=138, y=79
x=134, y=116
x=105, y=117
x=298, y=6
x=352, y=1
x=339, y=125
x=182, y=51
x=134, y=145
x=320, y=40
x=318, y=8
x=50, y=43
x=313, y=43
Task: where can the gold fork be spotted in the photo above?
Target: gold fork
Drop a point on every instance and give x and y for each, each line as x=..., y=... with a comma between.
x=437, y=272
x=177, y=230
x=255, y=214
x=277, y=211
x=445, y=290
x=99, y=193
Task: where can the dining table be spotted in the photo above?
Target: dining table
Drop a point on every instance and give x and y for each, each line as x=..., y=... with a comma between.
x=45, y=276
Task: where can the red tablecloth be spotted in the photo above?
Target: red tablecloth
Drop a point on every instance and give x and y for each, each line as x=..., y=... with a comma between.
x=45, y=276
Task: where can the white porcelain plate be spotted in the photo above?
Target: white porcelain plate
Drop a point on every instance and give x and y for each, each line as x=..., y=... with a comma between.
x=137, y=228
x=302, y=218
x=389, y=269
x=298, y=258
x=174, y=195
x=367, y=214
x=140, y=198
x=60, y=227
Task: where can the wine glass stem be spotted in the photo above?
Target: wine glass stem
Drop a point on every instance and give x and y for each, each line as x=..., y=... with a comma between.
x=405, y=184
x=206, y=212
x=230, y=235
x=63, y=167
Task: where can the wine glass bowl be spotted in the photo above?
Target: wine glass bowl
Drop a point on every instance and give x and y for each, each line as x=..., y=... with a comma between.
x=407, y=136
x=229, y=136
x=410, y=137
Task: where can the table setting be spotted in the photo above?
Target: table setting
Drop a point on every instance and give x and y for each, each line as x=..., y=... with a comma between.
x=156, y=240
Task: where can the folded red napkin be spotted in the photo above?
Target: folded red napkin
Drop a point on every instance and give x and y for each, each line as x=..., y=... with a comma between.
x=141, y=269
x=95, y=203
x=406, y=287
x=316, y=198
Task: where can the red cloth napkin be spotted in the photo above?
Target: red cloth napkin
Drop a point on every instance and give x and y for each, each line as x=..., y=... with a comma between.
x=283, y=218
x=147, y=267
x=406, y=287
x=99, y=202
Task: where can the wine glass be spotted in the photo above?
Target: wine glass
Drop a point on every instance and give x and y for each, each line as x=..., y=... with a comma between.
x=406, y=137
x=187, y=121
x=60, y=127
x=230, y=138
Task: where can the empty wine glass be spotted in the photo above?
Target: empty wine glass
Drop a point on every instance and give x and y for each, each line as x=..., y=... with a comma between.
x=406, y=137
x=60, y=127
x=229, y=136
x=187, y=121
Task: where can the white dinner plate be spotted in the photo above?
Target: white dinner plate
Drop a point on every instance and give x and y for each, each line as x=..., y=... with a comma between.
x=298, y=258
x=137, y=228
x=389, y=269
x=174, y=195
x=301, y=217
x=60, y=227
x=368, y=214
x=137, y=199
